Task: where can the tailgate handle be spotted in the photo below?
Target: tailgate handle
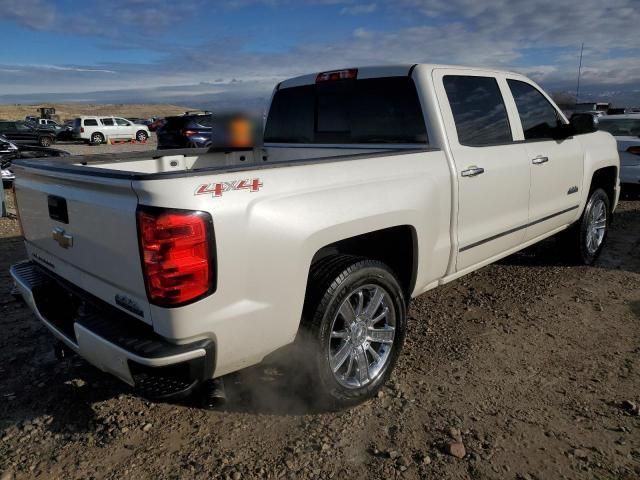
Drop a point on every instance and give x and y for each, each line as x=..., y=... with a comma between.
x=58, y=209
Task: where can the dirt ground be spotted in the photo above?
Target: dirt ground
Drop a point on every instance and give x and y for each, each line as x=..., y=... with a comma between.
x=533, y=364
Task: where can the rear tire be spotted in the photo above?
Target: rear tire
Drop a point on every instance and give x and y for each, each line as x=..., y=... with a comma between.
x=583, y=241
x=354, y=321
x=97, y=138
x=45, y=141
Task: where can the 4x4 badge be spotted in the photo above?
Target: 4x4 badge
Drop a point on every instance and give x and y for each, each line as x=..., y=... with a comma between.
x=218, y=188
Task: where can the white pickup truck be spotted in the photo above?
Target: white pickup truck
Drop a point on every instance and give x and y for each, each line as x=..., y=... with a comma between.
x=373, y=185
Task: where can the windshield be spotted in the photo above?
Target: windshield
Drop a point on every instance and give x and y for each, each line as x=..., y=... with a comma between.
x=623, y=127
x=378, y=110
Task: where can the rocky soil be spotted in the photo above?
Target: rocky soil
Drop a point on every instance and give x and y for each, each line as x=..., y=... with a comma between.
x=527, y=369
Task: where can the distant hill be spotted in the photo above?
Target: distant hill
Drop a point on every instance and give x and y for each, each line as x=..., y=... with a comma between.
x=67, y=111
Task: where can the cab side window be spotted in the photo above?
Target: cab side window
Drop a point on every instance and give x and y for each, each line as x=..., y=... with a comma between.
x=122, y=122
x=107, y=122
x=478, y=110
x=539, y=118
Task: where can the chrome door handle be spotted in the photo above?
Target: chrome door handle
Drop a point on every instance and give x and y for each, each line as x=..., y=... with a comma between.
x=540, y=159
x=472, y=171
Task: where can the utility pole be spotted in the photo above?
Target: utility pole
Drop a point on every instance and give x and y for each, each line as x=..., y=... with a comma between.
x=579, y=71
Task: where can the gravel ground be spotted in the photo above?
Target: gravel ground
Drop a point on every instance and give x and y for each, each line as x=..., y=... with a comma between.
x=527, y=369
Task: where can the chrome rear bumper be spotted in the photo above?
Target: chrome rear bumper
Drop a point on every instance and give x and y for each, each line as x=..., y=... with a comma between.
x=115, y=342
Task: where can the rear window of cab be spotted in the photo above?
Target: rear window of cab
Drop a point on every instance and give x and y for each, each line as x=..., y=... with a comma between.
x=376, y=110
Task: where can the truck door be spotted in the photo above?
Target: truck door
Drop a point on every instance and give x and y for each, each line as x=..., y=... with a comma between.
x=556, y=165
x=492, y=171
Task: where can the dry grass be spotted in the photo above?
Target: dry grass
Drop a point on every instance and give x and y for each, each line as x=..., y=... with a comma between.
x=68, y=111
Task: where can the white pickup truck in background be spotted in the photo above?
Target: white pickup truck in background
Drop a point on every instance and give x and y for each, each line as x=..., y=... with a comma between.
x=373, y=185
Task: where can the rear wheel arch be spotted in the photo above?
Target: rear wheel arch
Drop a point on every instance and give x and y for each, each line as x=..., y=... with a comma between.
x=395, y=246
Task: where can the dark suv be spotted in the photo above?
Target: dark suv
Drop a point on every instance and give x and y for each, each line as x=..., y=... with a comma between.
x=23, y=132
x=185, y=131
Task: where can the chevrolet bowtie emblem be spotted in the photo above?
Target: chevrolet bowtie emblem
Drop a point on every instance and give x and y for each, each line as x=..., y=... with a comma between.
x=64, y=239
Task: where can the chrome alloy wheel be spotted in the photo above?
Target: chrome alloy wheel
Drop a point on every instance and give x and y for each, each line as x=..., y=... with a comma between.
x=596, y=225
x=362, y=335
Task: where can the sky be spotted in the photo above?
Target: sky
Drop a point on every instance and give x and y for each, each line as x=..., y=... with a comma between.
x=231, y=53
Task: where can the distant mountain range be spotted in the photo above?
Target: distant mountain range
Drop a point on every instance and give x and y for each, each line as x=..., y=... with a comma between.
x=253, y=97
x=234, y=96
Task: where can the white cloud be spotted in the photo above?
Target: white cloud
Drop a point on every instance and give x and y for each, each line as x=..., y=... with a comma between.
x=540, y=38
x=35, y=14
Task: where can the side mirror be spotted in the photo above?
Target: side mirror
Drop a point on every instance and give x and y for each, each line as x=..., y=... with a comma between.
x=583, y=123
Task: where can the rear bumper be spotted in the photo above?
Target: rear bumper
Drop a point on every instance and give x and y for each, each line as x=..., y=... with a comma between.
x=112, y=340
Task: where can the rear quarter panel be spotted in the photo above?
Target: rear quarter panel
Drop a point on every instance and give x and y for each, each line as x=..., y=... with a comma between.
x=265, y=240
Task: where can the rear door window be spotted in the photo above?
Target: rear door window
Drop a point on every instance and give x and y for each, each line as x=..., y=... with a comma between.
x=538, y=117
x=377, y=110
x=91, y=122
x=107, y=122
x=478, y=110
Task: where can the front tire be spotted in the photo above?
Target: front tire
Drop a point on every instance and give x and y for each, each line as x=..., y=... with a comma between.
x=355, y=322
x=45, y=141
x=584, y=240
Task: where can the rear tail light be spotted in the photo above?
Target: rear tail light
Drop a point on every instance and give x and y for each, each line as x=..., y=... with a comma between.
x=178, y=255
x=81, y=129
x=635, y=150
x=188, y=133
x=349, y=74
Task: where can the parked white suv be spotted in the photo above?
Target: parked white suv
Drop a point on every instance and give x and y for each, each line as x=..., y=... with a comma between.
x=98, y=130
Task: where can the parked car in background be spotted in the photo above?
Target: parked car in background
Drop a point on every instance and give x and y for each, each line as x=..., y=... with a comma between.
x=156, y=124
x=10, y=151
x=62, y=132
x=27, y=133
x=6, y=147
x=140, y=121
x=99, y=129
x=595, y=114
x=185, y=131
x=626, y=130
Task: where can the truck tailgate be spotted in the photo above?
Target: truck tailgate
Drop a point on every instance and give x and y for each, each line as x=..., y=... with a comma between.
x=83, y=229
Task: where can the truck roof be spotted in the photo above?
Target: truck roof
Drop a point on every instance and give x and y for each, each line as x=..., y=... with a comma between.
x=377, y=71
